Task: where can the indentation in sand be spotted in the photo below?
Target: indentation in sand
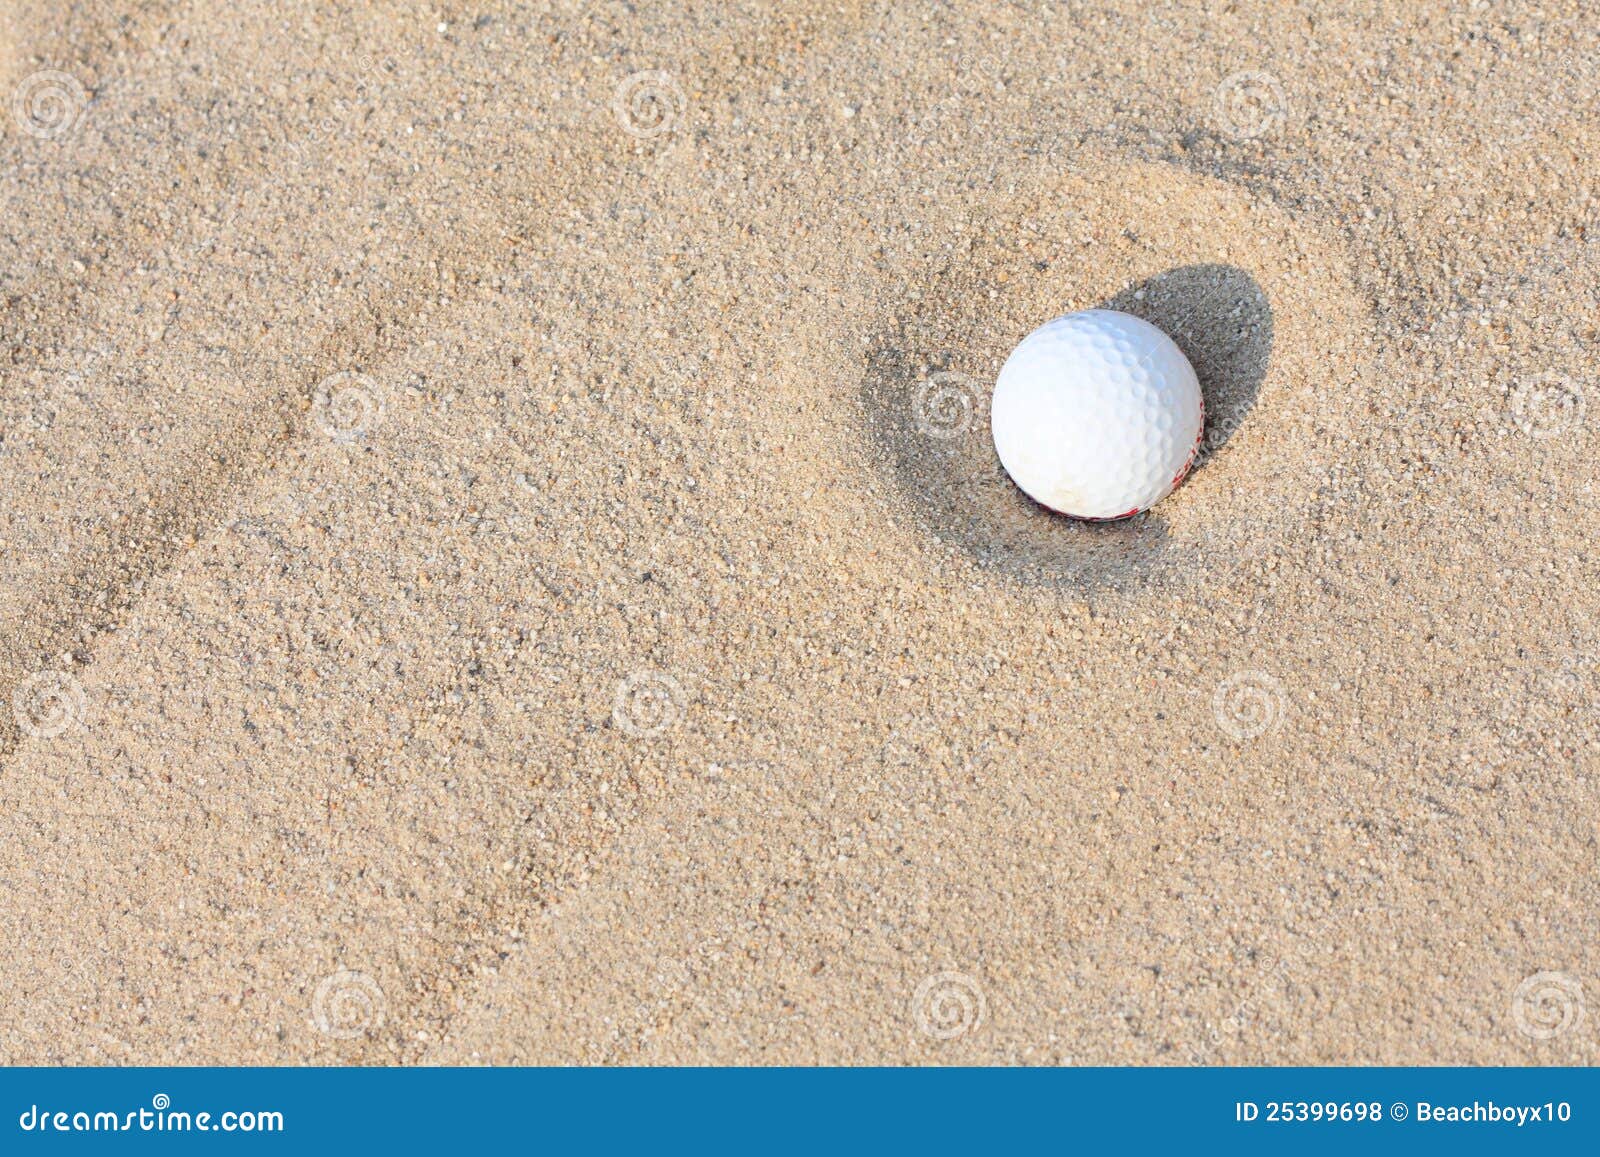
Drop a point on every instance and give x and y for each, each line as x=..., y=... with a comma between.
x=1261, y=303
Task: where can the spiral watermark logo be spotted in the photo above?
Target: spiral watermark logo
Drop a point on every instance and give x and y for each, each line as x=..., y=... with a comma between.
x=649, y=104
x=948, y=1005
x=1547, y=407
x=1250, y=104
x=672, y=976
x=49, y=704
x=1547, y=1005
x=160, y=1101
x=347, y=1005
x=1249, y=704
x=49, y=104
x=347, y=406
x=647, y=704
x=944, y=404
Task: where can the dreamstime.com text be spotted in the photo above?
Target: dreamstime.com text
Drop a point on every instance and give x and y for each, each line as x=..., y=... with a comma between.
x=160, y=1117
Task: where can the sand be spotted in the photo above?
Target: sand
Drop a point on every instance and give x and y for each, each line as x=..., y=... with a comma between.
x=503, y=560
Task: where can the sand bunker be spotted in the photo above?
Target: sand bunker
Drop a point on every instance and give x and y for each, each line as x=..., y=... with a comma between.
x=503, y=557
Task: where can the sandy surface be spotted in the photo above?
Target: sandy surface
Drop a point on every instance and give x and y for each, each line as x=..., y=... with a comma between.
x=502, y=558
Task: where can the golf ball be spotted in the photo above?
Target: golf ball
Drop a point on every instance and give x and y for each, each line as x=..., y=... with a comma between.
x=1097, y=415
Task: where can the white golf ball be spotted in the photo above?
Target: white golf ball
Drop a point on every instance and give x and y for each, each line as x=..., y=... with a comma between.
x=1097, y=415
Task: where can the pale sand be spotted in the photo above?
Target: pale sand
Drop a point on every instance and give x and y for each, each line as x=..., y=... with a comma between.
x=658, y=673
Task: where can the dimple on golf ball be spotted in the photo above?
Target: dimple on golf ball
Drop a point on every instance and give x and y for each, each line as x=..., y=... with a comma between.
x=1097, y=415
